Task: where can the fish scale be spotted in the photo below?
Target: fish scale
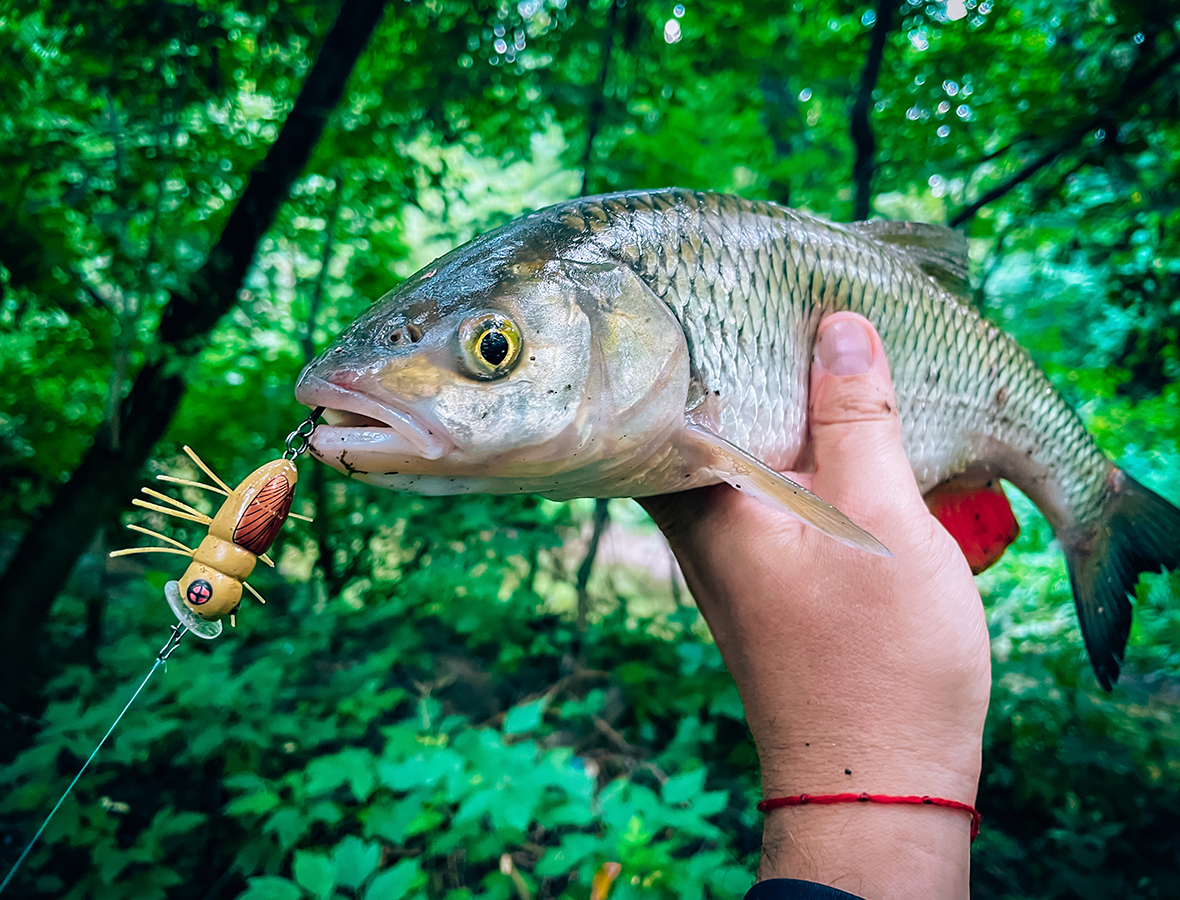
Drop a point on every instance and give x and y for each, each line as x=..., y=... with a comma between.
x=935, y=359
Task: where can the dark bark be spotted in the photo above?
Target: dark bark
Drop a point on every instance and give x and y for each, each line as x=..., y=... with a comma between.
x=1130, y=93
x=107, y=477
x=862, y=131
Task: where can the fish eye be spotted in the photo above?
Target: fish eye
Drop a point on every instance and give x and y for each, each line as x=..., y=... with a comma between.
x=489, y=343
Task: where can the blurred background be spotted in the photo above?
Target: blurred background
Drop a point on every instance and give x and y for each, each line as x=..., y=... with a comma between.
x=454, y=697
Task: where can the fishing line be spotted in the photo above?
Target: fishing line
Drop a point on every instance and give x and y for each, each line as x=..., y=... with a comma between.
x=211, y=588
x=178, y=631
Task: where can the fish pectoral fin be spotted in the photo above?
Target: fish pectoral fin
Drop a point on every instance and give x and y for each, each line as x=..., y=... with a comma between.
x=938, y=251
x=738, y=468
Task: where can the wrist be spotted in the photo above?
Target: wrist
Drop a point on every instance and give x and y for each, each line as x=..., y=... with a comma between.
x=874, y=851
x=869, y=849
x=814, y=761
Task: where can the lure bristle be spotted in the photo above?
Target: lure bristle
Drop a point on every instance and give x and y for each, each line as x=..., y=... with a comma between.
x=188, y=482
x=162, y=537
x=184, y=507
x=133, y=550
x=204, y=468
x=200, y=518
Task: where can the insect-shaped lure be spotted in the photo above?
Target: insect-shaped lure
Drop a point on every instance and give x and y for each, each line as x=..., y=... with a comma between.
x=211, y=588
x=239, y=534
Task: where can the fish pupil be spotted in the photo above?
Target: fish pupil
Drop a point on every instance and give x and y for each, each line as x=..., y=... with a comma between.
x=493, y=347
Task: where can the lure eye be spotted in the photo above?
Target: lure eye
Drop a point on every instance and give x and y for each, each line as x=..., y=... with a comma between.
x=489, y=344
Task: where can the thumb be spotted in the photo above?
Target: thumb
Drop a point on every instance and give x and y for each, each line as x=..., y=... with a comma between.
x=860, y=463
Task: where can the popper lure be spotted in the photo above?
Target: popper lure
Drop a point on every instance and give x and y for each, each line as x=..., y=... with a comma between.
x=210, y=589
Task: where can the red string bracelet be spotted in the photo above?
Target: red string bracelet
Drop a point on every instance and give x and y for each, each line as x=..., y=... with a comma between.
x=804, y=799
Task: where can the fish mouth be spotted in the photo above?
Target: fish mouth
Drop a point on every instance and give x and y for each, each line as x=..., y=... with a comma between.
x=370, y=430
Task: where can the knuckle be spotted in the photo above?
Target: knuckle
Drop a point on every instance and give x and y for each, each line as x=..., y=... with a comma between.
x=853, y=403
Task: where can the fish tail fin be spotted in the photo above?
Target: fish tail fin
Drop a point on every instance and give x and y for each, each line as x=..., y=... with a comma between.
x=1139, y=531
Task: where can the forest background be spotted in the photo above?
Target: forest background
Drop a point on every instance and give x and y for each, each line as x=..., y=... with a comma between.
x=444, y=698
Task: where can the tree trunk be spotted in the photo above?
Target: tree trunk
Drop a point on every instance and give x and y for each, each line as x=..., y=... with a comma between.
x=108, y=475
x=862, y=131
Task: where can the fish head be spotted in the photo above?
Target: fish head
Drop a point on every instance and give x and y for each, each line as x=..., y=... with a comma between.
x=518, y=373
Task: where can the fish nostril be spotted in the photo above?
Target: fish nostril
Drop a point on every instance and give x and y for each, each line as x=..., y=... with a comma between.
x=415, y=333
x=395, y=336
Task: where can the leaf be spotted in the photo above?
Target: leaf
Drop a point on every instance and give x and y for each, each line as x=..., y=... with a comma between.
x=684, y=787
x=316, y=872
x=527, y=717
x=289, y=825
x=395, y=883
x=356, y=860
x=353, y=767
x=710, y=803
x=421, y=770
x=256, y=803
x=271, y=887
x=573, y=849
x=392, y=820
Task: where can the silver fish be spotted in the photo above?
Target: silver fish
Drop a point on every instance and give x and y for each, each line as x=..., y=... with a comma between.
x=647, y=342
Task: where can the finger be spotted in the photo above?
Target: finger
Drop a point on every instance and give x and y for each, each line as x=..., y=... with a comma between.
x=860, y=463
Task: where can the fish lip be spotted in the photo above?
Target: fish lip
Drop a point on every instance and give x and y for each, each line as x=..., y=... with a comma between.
x=428, y=439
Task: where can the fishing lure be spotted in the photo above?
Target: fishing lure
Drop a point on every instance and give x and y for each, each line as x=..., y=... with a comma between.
x=239, y=535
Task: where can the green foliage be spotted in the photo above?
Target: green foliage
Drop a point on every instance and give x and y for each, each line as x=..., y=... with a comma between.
x=384, y=749
x=415, y=714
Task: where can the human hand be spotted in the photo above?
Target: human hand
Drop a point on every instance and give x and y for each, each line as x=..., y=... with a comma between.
x=858, y=673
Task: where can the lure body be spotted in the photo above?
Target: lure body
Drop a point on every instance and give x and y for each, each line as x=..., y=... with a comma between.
x=243, y=529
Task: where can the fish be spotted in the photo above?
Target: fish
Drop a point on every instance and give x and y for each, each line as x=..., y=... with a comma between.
x=646, y=342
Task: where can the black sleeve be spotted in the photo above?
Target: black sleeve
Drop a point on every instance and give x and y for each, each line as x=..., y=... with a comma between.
x=792, y=889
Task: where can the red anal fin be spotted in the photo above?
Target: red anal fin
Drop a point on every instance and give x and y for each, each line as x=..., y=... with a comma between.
x=978, y=516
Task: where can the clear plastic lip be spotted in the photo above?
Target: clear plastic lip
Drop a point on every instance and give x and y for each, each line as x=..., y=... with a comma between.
x=402, y=432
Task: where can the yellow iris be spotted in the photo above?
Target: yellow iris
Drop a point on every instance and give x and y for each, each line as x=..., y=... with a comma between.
x=490, y=343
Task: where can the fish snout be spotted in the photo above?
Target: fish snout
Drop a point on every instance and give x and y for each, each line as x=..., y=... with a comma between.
x=366, y=425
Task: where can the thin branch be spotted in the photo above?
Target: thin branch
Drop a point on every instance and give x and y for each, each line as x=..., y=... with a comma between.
x=321, y=279
x=598, y=104
x=1003, y=151
x=601, y=520
x=322, y=525
x=862, y=131
x=1131, y=92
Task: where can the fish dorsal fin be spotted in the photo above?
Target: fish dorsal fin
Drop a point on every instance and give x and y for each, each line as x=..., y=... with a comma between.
x=938, y=251
x=751, y=476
